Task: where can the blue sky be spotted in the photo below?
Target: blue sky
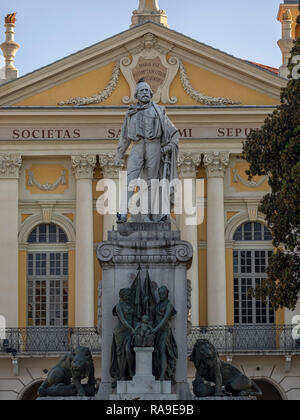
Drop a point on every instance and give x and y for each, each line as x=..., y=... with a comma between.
x=50, y=30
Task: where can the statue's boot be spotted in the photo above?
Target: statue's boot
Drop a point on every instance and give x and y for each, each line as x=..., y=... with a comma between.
x=165, y=218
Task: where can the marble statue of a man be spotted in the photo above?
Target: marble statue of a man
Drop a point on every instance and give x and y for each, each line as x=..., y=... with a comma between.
x=154, y=150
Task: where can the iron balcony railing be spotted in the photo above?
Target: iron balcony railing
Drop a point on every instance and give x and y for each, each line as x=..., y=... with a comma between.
x=248, y=339
x=48, y=340
x=239, y=339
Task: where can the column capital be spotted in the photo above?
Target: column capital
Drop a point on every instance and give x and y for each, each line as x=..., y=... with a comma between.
x=84, y=165
x=216, y=163
x=10, y=165
x=188, y=162
x=109, y=169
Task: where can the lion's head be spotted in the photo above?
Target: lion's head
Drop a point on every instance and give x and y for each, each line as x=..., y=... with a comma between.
x=203, y=350
x=82, y=363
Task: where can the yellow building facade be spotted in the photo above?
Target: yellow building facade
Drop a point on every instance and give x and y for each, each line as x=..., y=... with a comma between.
x=59, y=129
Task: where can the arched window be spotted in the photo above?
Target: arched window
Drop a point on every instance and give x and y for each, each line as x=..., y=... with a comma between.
x=47, y=277
x=47, y=234
x=252, y=250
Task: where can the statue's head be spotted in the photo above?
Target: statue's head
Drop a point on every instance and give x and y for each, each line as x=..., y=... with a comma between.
x=203, y=350
x=143, y=92
x=81, y=362
x=163, y=293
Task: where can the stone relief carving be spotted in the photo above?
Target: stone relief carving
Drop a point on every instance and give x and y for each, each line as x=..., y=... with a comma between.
x=10, y=165
x=107, y=163
x=188, y=162
x=84, y=165
x=197, y=96
x=100, y=97
x=250, y=184
x=47, y=187
x=149, y=61
x=216, y=163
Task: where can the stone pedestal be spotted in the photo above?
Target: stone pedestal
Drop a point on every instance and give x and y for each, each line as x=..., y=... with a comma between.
x=144, y=386
x=168, y=258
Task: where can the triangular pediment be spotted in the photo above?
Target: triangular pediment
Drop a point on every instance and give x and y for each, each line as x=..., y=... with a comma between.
x=182, y=72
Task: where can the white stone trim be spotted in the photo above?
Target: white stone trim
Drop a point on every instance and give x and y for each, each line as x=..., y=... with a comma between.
x=31, y=222
x=253, y=245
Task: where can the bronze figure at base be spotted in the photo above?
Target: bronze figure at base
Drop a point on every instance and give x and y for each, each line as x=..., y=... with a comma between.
x=142, y=322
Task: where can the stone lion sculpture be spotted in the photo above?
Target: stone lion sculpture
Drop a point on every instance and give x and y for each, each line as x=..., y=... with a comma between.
x=211, y=369
x=64, y=380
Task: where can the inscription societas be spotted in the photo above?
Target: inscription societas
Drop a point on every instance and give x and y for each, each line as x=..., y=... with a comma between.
x=46, y=134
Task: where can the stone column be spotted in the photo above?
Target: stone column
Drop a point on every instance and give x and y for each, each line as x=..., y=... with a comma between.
x=83, y=166
x=9, y=197
x=216, y=164
x=187, y=165
x=110, y=171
